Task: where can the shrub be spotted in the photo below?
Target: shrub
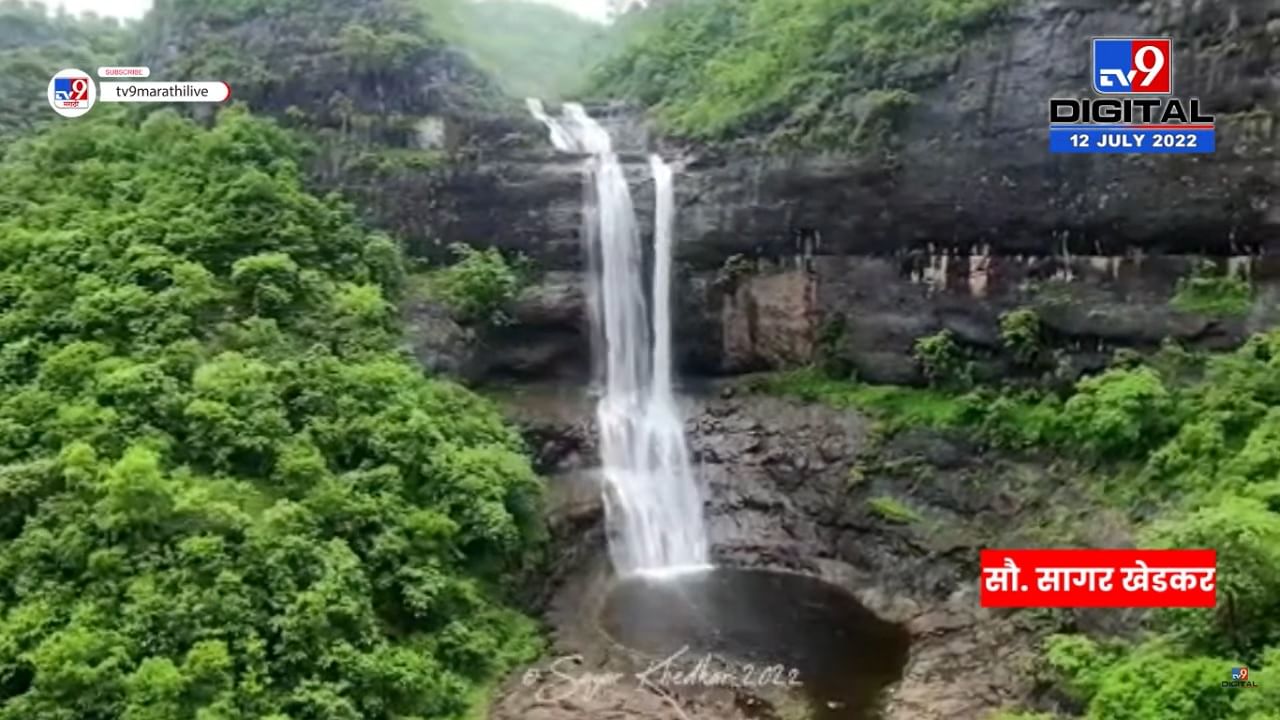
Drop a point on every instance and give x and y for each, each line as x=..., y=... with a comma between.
x=878, y=113
x=1174, y=684
x=1014, y=421
x=830, y=350
x=1078, y=662
x=1021, y=335
x=479, y=286
x=1246, y=534
x=1120, y=412
x=942, y=360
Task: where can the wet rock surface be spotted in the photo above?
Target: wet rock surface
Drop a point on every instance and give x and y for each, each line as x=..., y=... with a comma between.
x=790, y=487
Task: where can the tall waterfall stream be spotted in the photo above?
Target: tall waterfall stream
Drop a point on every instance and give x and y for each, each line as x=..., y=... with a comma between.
x=653, y=504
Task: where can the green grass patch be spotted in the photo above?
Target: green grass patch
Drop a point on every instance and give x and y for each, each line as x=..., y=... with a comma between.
x=1217, y=295
x=1002, y=418
x=386, y=161
x=480, y=700
x=893, y=510
x=898, y=406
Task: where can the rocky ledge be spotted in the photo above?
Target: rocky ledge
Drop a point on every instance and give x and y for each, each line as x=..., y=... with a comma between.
x=866, y=312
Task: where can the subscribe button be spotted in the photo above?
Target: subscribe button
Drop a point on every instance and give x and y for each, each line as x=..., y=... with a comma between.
x=1098, y=578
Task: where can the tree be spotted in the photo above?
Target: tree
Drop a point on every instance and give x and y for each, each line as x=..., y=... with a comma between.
x=1246, y=534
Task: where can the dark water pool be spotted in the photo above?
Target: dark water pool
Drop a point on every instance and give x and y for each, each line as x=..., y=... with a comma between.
x=758, y=628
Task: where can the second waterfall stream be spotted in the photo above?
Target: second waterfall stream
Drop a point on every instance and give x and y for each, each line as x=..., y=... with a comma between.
x=652, y=500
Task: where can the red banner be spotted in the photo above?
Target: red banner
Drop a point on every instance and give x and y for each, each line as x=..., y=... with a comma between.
x=1098, y=578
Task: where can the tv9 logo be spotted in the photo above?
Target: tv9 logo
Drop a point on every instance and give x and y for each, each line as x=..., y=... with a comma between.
x=72, y=92
x=1133, y=66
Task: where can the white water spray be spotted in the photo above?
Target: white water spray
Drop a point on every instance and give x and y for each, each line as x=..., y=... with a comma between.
x=652, y=502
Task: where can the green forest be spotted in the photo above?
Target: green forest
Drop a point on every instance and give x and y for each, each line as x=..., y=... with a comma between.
x=229, y=492
x=226, y=494
x=225, y=490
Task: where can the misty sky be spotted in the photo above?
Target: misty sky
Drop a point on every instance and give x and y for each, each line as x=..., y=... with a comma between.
x=135, y=8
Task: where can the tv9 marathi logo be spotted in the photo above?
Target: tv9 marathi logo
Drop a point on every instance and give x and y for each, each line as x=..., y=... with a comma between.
x=72, y=92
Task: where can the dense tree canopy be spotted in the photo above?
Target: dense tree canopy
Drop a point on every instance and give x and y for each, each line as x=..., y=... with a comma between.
x=223, y=493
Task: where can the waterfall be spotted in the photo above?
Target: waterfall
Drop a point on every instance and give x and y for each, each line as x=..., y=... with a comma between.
x=653, y=506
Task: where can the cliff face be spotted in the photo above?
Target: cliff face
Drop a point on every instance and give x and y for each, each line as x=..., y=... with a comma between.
x=971, y=165
x=963, y=215
x=371, y=70
x=969, y=217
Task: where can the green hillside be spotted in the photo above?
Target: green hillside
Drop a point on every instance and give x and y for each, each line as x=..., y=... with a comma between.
x=803, y=72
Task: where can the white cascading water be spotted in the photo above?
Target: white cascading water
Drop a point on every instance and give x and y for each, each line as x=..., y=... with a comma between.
x=652, y=501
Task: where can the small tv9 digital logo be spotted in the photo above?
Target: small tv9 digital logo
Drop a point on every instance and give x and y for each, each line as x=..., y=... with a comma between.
x=1133, y=66
x=1240, y=679
x=72, y=92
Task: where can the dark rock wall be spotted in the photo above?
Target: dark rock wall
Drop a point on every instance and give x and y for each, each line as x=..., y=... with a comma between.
x=778, y=317
x=971, y=166
x=977, y=166
x=1088, y=306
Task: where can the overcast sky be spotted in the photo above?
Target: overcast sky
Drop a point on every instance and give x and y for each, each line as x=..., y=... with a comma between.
x=135, y=8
